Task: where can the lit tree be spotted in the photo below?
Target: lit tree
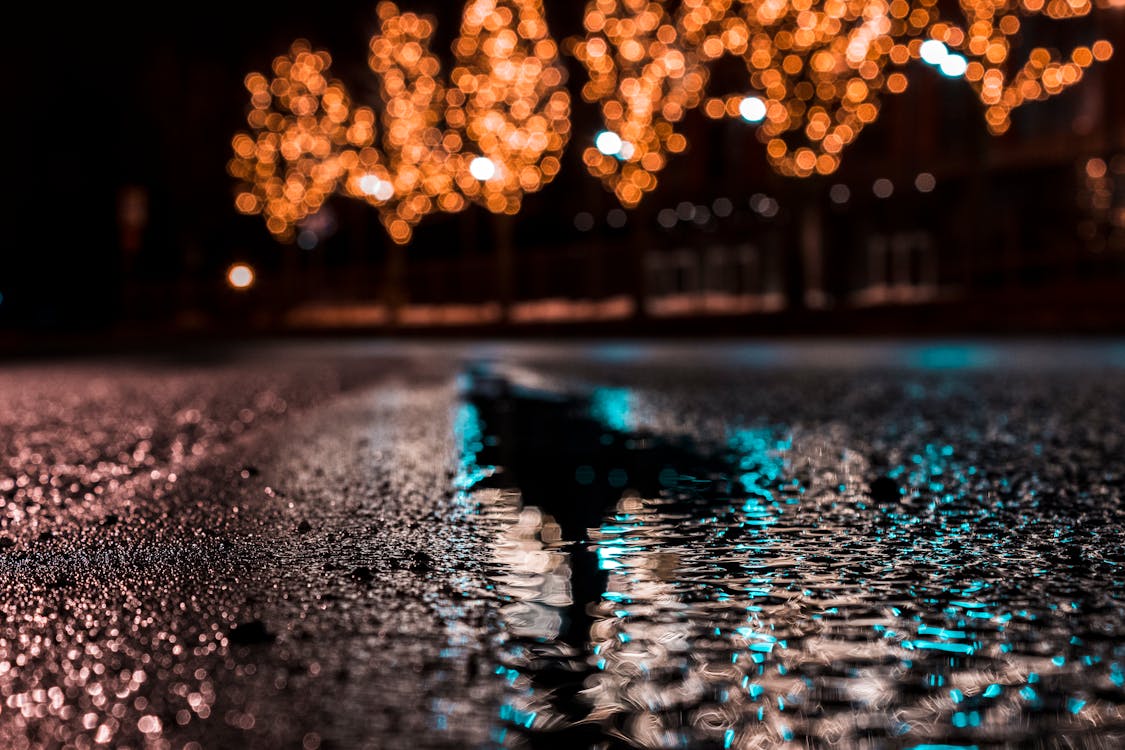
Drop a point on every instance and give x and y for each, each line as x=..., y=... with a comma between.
x=413, y=174
x=816, y=71
x=299, y=149
x=493, y=136
x=987, y=41
x=510, y=101
x=646, y=81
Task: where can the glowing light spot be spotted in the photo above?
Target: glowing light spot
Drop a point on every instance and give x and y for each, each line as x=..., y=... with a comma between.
x=883, y=188
x=925, y=182
x=954, y=66
x=149, y=725
x=608, y=142
x=752, y=109
x=933, y=52
x=379, y=189
x=839, y=193
x=240, y=276
x=482, y=168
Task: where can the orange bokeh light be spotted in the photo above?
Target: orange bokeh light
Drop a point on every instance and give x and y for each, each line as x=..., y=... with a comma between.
x=240, y=276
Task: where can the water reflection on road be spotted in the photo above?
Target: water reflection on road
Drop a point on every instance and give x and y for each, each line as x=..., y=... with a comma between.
x=785, y=584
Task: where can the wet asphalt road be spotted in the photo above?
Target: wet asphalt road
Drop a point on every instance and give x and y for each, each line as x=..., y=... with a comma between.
x=305, y=547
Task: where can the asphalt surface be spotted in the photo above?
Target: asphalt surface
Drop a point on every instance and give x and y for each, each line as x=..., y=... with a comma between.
x=358, y=546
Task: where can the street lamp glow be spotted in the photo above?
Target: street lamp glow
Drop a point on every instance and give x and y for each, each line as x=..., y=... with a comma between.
x=954, y=66
x=240, y=276
x=752, y=109
x=482, y=168
x=608, y=142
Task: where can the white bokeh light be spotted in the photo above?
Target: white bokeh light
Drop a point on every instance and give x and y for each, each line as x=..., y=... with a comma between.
x=608, y=142
x=933, y=51
x=240, y=276
x=379, y=189
x=954, y=66
x=752, y=109
x=482, y=168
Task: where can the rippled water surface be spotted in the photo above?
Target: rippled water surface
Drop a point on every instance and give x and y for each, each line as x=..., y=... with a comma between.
x=873, y=559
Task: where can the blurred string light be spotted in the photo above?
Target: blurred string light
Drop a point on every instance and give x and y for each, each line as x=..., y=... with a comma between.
x=492, y=134
x=816, y=70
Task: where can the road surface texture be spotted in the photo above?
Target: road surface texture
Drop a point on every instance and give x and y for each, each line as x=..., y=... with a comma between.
x=912, y=545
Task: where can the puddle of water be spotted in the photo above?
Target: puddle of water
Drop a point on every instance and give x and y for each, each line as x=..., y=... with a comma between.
x=655, y=593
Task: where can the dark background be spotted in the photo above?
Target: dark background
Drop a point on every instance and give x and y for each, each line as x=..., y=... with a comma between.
x=110, y=101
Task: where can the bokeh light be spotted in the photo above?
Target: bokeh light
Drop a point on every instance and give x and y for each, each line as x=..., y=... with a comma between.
x=821, y=69
x=292, y=159
x=954, y=66
x=752, y=109
x=240, y=276
x=505, y=99
x=482, y=168
x=608, y=142
x=933, y=51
